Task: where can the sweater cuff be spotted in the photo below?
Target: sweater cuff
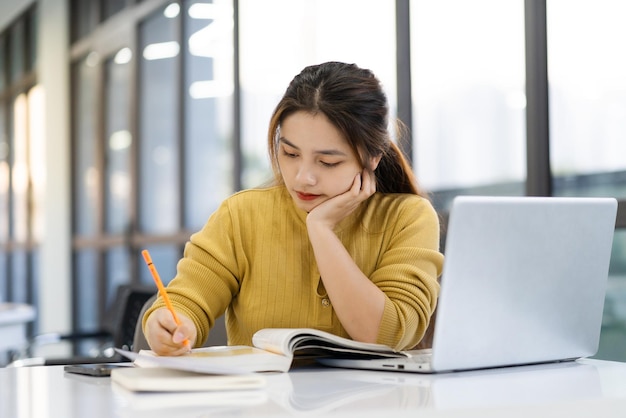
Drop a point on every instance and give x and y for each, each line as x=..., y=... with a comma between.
x=388, y=330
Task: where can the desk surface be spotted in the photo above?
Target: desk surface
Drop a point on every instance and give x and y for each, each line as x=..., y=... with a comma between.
x=579, y=389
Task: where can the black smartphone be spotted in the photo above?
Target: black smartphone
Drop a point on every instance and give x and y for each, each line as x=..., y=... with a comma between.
x=97, y=370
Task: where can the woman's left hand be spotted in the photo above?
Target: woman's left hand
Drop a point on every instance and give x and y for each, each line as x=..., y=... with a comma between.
x=357, y=301
x=332, y=211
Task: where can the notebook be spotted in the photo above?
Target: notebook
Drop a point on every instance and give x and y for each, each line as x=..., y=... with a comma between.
x=523, y=282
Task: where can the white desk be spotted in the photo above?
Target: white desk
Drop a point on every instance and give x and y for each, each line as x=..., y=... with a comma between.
x=13, y=320
x=587, y=388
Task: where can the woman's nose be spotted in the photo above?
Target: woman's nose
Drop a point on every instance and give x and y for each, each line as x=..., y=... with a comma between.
x=306, y=175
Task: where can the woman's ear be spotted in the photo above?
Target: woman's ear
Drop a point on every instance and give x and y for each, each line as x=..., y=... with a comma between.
x=374, y=162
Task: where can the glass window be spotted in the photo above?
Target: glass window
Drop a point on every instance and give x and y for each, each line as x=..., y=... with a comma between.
x=587, y=94
x=33, y=22
x=34, y=260
x=86, y=291
x=280, y=37
x=4, y=177
x=84, y=16
x=118, y=142
x=159, y=182
x=613, y=335
x=19, y=198
x=165, y=258
x=19, y=277
x=208, y=116
x=118, y=269
x=4, y=276
x=20, y=175
x=16, y=59
x=587, y=97
x=468, y=92
x=36, y=161
x=86, y=172
x=110, y=7
x=3, y=74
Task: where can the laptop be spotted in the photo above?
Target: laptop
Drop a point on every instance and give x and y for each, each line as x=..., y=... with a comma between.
x=523, y=282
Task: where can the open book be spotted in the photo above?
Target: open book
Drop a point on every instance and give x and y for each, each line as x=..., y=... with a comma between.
x=274, y=350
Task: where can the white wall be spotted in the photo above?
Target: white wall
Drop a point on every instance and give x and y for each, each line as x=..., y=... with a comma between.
x=53, y=76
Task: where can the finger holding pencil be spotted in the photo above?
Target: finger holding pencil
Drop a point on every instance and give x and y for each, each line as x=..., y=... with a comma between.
x=163, y=293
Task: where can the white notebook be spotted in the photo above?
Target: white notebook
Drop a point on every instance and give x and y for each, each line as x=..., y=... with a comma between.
x=157, y=379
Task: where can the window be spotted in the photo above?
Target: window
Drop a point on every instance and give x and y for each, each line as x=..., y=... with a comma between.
x=159, y=158
x=5, y=177
x=468, y=97
x=208, y=94
x=102, y=151
x=278, y=46
x=118, y=146
x=587, y=129
x=85, y=16
x=152, y=143
x=118, y=142
x=86, y=171
x=587, y=97
x=86, y=191
x=21, y=162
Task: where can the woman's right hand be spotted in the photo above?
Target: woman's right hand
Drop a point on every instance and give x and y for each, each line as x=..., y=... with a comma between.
x=165, y=337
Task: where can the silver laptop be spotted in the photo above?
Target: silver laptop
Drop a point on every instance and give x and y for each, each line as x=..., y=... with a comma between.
x=524, y=281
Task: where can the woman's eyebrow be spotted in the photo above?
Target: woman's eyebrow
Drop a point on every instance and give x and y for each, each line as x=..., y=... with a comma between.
x=286, y=141
x=323, y=151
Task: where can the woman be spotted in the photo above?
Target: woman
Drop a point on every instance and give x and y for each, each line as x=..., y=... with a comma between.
x=343, y=241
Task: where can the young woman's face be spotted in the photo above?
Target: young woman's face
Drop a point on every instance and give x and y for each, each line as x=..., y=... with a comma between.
x=315, y=160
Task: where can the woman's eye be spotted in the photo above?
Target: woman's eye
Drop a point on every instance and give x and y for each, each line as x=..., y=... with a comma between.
x=325, y=164
x=289, y=154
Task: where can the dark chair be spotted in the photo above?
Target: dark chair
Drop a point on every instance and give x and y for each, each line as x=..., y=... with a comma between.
x=118, y=330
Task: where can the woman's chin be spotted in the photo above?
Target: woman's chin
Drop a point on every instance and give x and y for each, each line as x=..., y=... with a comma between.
x=306, y=206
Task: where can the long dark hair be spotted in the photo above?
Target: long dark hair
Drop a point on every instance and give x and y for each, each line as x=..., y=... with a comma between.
x=353, y=100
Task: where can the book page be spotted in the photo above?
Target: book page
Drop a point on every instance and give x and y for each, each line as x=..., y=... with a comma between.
x=217, y=360
x=311, y=341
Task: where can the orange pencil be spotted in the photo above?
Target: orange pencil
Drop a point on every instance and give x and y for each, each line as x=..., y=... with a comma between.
x=162, y=291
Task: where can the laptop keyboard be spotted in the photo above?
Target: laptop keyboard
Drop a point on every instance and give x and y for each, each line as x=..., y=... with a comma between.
x=420, y=356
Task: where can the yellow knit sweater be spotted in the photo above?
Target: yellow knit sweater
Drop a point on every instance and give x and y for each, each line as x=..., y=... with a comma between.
x=253, y=261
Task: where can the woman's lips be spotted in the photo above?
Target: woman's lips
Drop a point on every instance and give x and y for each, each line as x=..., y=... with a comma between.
x=306, y=196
